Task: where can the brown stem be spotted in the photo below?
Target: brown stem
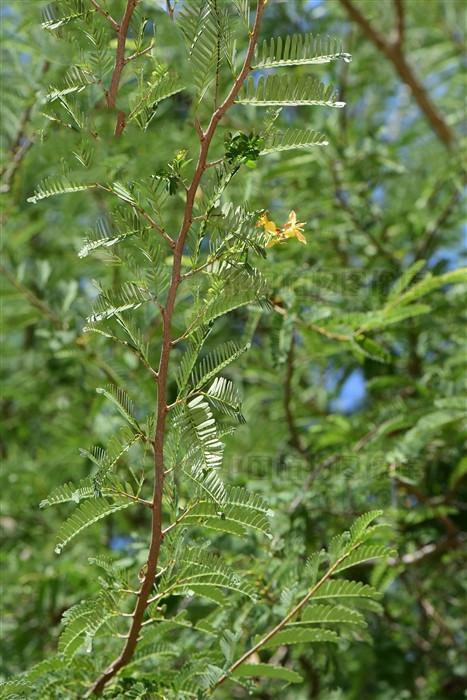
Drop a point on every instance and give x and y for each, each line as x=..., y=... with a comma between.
x=120, y=62
x=400, y=17
x=394, y=53
x=115, y=25
x=162, y=375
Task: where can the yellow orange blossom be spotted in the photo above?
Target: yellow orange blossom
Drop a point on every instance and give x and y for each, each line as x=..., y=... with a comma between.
x=269, y=226
x=291, y=229
x=275, y=239
x=294, y=229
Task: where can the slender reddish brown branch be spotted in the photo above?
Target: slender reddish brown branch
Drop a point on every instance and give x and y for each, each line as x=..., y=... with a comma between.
x=393, y=52
x=115, y=25
x=162, y=374
x=120, y=62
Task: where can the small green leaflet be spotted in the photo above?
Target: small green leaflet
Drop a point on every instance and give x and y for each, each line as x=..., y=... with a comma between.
x=267, y=671
x=301, y=636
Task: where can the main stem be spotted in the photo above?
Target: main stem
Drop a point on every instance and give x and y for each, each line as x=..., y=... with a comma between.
x=162, y=373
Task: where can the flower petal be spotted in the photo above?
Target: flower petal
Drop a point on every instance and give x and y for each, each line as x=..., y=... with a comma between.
x=301, y=237
x=292, y=220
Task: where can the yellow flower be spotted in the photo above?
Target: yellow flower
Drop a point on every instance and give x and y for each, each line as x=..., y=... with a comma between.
x=291, y=229
x=272, y=241
x=269, y=226
x=294, y=229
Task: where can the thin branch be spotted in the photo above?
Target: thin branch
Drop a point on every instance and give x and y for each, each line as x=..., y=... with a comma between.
x=428, y=550
x=48, y=313
x=162, y=378
x=394, y=53
x=179, y=519
x=136, y=499
x=284, y=620
x=213, y=163
x=199, y=129
x=133, y=348
x=129, y=590
x=19, y=150
x=218, y=52
x=330, y=334
x=155, y=226
x=206, y=264
x=115, y=25
x=304, y=490
x=143, y=52
x=34, y=300
x=111, y=94
x=144, y=214
x=21, y=144
x=430, y=611
x=400, y=16
x=170, y=9
x=318, y=329
x=171, y=406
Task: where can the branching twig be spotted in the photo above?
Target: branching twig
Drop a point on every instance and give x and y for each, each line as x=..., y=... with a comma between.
x=180, y=519
x=34, y=300
x=140, y=53
x=162, y=377
x=120, y=62
x=115, y=25
x=393, y=52
x=137, y=208
x=280, y=626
